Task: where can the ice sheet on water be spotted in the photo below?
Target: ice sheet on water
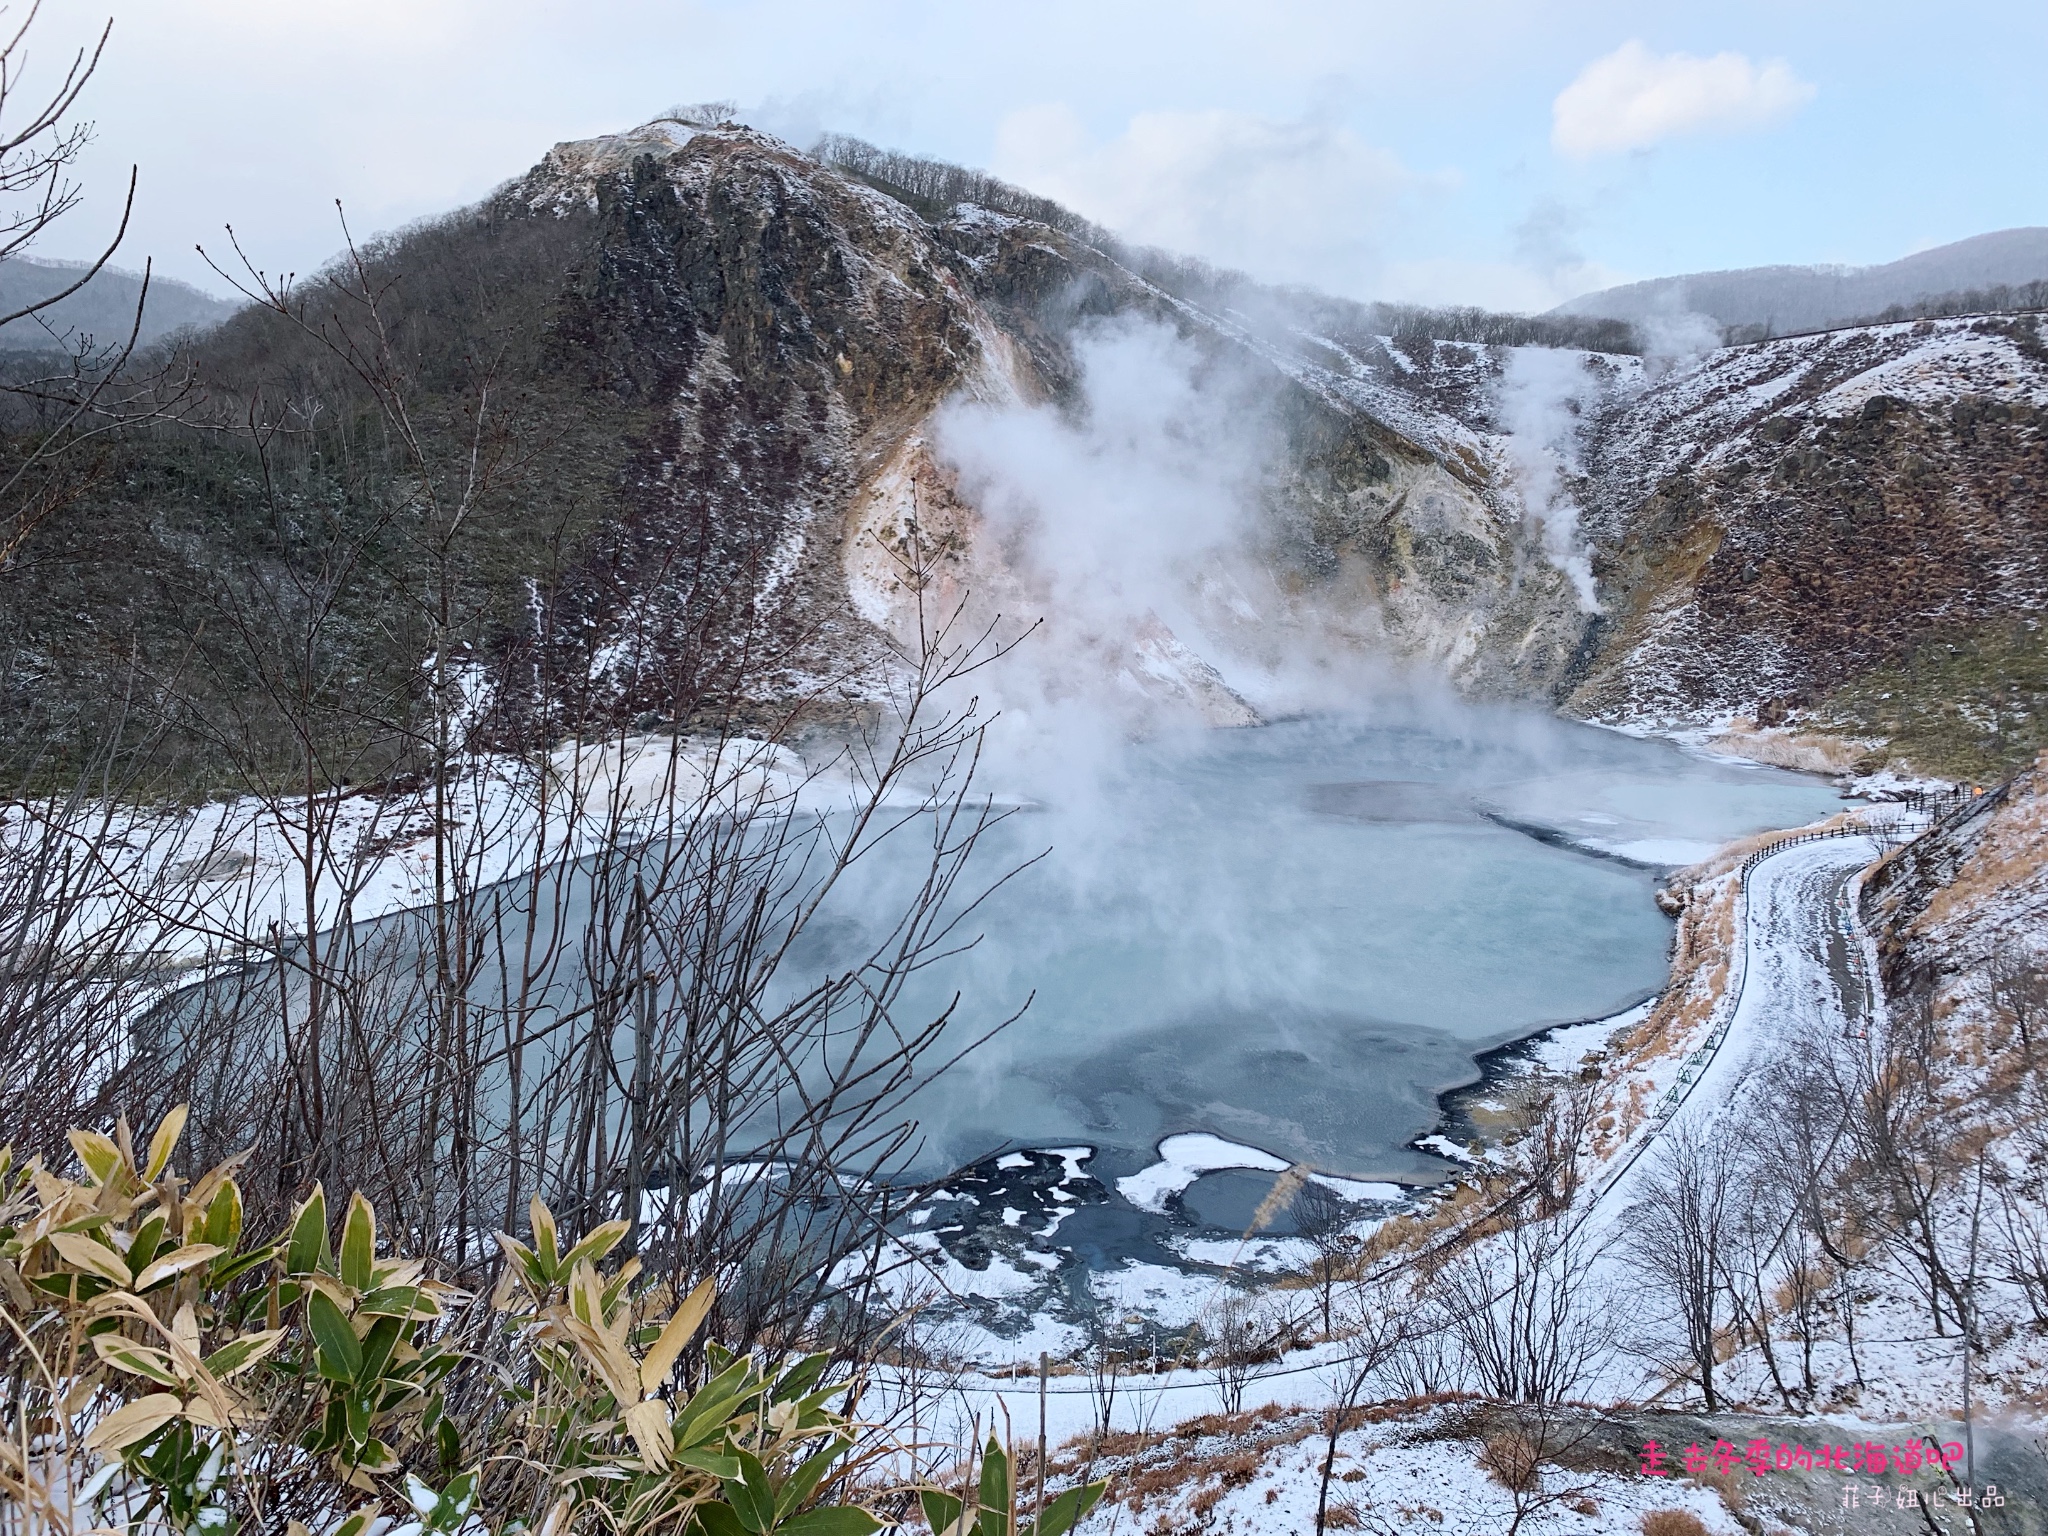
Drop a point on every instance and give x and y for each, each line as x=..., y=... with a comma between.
x=1186, y=1157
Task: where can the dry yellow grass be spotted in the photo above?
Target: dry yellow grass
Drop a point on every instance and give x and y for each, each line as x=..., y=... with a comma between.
x=2013, y=855
x=1673, y=1522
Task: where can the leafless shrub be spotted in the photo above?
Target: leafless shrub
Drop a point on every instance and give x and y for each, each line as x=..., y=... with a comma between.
x=1524, y=1306
x=1907, y=1147
x=1509, y=1457
x=1324, y=1219
x=1516, y=1453
x=1240, y=1342
x=2017, y=980
x=1377, y=1327
x=1680, y=1238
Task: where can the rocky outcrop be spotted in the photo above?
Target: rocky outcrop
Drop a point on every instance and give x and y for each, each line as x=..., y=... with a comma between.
x=1963, y=904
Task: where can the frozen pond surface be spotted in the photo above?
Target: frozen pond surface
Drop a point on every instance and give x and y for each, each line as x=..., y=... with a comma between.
x=1295, y=937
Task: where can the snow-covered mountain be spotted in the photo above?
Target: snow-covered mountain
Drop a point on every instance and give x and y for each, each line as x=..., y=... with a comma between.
x=760, y=411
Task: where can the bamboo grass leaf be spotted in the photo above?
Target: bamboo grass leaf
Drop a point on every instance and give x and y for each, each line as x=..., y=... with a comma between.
x=307, y=1247
x=647, y=1423
x=358, y=1244
x=544, y=1242
x=1069, y=1510
x=134, y=1422
x=175, y=1263
x=662, y=1355
x=98, y=1153
x=803, y=1482
x=596, y=1244
x=833, y=1520
x=750, y=1496
x=341, y=1353
x=165, y=1141
x=223, y=1224
x=93, y=1258
x=232, y=1359
x=136, y=1359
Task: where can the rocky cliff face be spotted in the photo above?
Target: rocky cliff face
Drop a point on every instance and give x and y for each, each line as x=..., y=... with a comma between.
x=801, y=328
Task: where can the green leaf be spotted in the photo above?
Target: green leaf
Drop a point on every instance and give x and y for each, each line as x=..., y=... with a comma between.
x=706, y=1413
x=333, y=1432
x=243, y=1352
x=168, y=1266
x=224, y=1217
x=358, y=1243
x=307, y=1250
x=994, y=1496
x=616, y=1286
x=596, y=1244
x=98, y=1153
x=407, y=1301
x=164, y=1141
x=90, y=1257
x=455, y=1502
x=799, y=1378
x=750, y=1496
x=941, y=1510
x=518, y=1253
x=716, y=1519
x=341, y=1354
x=376, y=1455
x=448, y=1445
x=356, y=1415
x=225, y=1270
x=378, y=1345
x=545, y=1247
x=724, y=1468
x=149, y=1237
x=832, y=1520
x=803, y=1482
x=137, y=1359
x=1069, y=1510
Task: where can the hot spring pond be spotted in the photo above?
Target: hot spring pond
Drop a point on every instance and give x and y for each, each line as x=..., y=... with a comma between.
x=1295, y=937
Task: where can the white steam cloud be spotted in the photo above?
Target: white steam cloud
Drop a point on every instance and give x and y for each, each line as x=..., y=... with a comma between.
x=1543, y=393
x=1113, y=507
x=1120, y=520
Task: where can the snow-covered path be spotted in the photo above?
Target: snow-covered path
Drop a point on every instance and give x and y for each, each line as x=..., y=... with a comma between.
x=1807, y=968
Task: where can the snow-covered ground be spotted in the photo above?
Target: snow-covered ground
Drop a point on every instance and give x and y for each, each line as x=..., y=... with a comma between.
x=187, y=885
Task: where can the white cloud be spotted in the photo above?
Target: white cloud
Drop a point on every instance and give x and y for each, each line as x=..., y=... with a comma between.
x=1299, y=202
x=1633, y=98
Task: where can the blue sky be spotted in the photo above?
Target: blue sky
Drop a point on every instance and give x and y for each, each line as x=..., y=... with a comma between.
x=1470, y=151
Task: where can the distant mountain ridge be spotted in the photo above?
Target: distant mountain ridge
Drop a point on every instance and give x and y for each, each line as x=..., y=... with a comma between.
x=1779, y=300
x=103, y=308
